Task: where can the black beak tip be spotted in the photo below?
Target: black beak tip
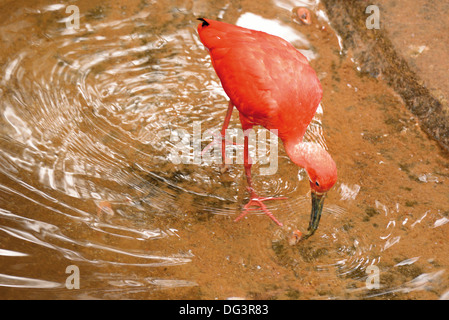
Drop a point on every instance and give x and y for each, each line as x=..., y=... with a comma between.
x=315, y=215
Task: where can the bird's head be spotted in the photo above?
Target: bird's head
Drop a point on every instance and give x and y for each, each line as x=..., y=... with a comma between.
x=322, y=172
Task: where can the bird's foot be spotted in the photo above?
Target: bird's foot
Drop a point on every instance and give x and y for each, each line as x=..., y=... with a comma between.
x=258, y=202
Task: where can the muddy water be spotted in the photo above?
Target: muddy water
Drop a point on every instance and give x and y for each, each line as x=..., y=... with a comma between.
x=91, y=122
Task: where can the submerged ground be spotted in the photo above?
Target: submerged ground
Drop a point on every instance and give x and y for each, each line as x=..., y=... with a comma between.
x=90, y=121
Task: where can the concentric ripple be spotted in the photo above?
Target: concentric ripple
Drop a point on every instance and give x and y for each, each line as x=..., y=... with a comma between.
x=98, y=129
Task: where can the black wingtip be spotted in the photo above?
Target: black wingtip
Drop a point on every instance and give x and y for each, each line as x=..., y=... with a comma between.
x=205, y=23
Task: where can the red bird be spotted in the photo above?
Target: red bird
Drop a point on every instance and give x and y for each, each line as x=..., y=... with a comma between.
x=271, y=84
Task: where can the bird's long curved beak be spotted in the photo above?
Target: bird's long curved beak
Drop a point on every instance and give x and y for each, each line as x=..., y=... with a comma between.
x=315, y=215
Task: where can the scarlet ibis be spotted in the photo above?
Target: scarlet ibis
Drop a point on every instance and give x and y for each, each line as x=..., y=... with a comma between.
x=271, y=84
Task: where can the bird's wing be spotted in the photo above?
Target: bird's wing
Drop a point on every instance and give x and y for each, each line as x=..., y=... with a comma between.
x=266, y=78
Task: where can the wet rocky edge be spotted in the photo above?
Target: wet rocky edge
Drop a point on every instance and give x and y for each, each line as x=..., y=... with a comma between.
x=374, y=52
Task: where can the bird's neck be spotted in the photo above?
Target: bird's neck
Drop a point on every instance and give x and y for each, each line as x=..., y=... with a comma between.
x=301, y=153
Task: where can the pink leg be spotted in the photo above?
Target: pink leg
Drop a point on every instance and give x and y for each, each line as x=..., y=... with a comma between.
x=223, y=135
x=255, y=200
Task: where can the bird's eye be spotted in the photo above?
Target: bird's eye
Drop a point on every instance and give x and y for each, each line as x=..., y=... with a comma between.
x=317, y=184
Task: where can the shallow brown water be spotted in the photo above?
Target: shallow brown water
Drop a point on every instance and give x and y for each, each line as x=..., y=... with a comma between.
x=89, y=123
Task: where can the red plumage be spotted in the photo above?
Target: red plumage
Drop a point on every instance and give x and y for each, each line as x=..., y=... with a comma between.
x=269, y=81
x=272, y=85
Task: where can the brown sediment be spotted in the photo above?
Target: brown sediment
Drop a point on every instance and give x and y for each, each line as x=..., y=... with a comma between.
x=376, y=54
